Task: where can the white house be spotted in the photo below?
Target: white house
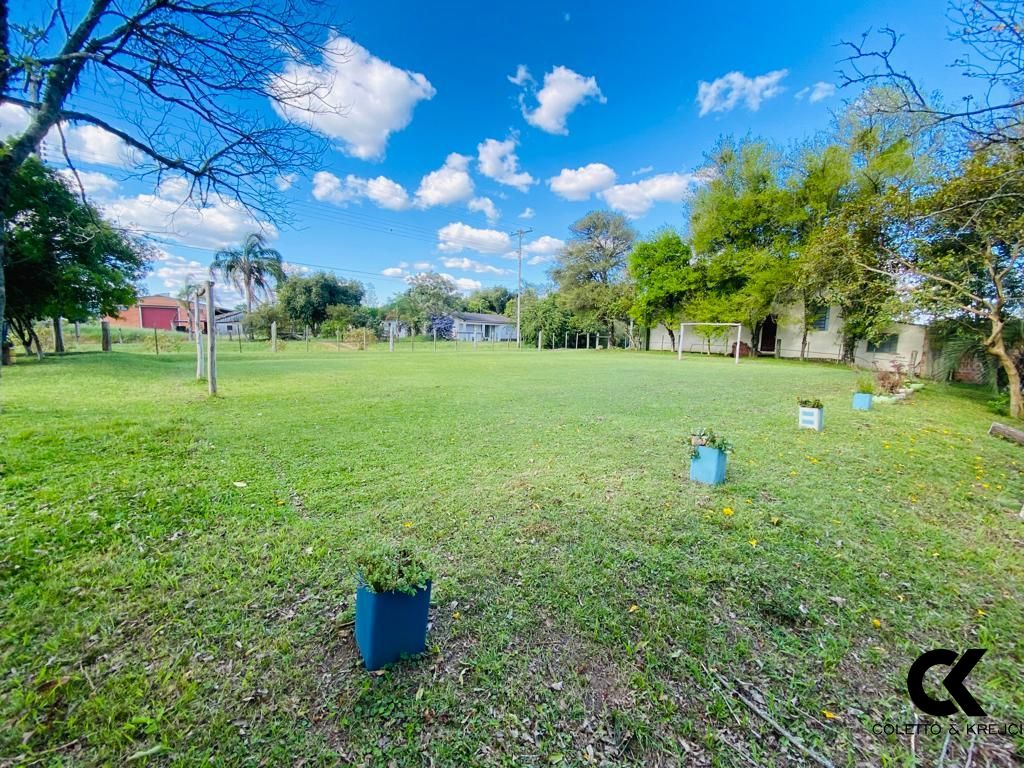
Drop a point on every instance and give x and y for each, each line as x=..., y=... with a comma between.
x=781, y=334
x=482, y=327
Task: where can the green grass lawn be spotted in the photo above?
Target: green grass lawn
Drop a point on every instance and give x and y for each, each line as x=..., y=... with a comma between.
x=177, y=582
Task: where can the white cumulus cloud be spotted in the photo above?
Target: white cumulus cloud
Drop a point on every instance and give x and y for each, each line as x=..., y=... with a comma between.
x=455, y=237
x=381, y=190
x=485, y=206
x=528, y=213
x=464, y=283
x=448, y=184
x=94, y=182
x=735, y=88
x=581, y=183
x=359, y=99
x=471, y=265
x=817, y=92
x=543, y=249
x=563, y=91
x=85, y=143
x=218, y=223
x=521, y=77
x=637, y=198
x=498, y=160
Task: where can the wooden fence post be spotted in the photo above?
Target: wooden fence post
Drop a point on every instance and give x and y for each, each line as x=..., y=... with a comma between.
x=211, y=339
x=105, y=335
x=273, y=335
x=198, y=327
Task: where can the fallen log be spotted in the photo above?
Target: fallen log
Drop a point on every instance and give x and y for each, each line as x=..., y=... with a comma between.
x=1007, y=433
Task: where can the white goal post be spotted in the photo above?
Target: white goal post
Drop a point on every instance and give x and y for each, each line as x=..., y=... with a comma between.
x=737, y=326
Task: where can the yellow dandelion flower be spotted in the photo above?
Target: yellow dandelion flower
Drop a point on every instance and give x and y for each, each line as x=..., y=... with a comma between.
x=876, y=623
x=407, y=524
x=776, y=520
x=727, y=512
x=829, y=715
x=753, y=542
x=634, y=608
x=982, y=612
x=457, y=615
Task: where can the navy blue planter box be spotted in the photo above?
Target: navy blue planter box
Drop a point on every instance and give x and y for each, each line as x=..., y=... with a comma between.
x=390, y=625
x=708, y=467
x=862, y=401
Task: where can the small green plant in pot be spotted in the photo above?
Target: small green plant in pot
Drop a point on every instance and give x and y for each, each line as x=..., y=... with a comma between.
x=392, y=603
x=811, y=414
x=708, y=452
x=864, y=393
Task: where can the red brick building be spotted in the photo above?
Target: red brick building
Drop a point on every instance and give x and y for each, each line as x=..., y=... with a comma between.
x=162, y=312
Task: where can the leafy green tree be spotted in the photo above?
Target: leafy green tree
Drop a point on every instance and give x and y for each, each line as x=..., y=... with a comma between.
x=591, y=270
x=489, y=300
x=305, y=300
x=745, y=229
x=258, y=322
x=432, y=294
x=665, y=280
x=63, y=260
x=254, y=268
x=962, y=256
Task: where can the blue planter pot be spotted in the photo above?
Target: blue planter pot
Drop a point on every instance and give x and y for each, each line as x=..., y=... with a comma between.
x=708, y=467
x=862, y=401
x=390, y=625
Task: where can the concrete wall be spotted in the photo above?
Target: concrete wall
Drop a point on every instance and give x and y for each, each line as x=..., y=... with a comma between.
x=825, y=344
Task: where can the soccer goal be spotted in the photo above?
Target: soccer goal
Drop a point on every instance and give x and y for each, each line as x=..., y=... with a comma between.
x=737, y=326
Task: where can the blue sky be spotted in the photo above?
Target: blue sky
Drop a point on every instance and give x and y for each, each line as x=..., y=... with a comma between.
x=468, y=121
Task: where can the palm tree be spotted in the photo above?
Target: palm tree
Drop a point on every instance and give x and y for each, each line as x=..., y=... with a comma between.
x=251, y=267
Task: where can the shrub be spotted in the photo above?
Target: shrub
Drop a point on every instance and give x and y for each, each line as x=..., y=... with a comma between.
x=865, y=384
x=709, y=439
x=810, y=402
x=1000, y=405
x=444, y=325
x=889, y=382
x=387, y=567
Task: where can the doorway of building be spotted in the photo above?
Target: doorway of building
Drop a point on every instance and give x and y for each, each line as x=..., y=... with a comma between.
x=769, y=333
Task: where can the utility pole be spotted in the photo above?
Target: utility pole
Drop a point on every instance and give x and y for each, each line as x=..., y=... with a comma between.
x=519, y=292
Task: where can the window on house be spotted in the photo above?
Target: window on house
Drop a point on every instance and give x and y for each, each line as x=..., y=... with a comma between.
x=817, y=316
x=884, y=344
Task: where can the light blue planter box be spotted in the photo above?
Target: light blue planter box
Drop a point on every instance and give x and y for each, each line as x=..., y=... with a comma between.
x=862, y=401
x=708, y=467
x=812, y=418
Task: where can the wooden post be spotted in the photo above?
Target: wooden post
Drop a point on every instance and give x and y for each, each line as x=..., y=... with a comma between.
x=540, y=340
x=391, y=337
x=739, y=340
x=78, y=333
x=273, y=335
x=105, y=335
x=197, y=323
x=156, y=341
x=682, y=331
x=211, y=339
x=239, y=342
x=1007, y=433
